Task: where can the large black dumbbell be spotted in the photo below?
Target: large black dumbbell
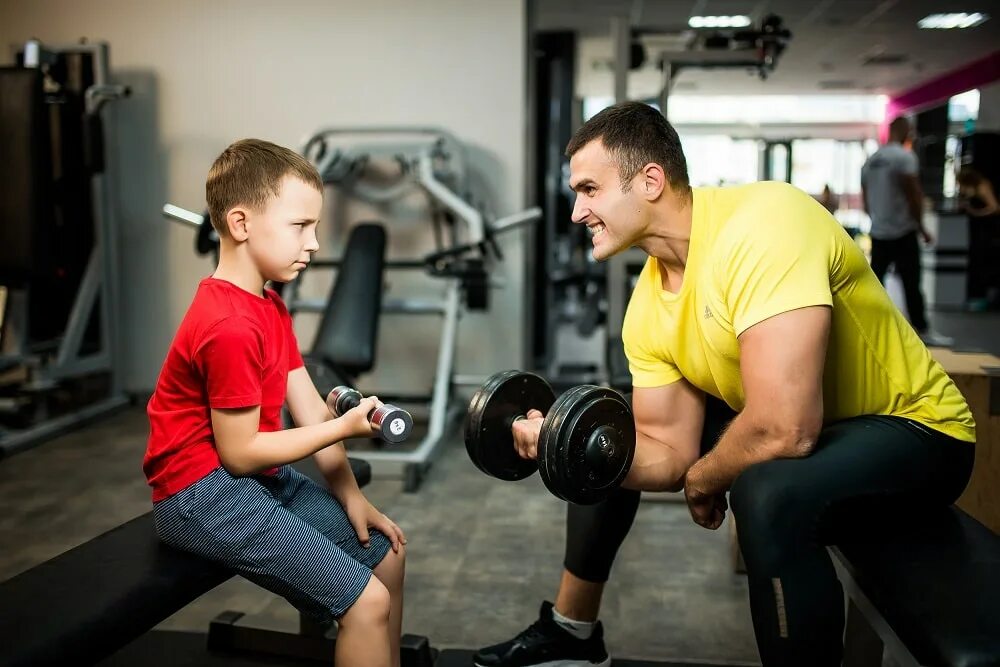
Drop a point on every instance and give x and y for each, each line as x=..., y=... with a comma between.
x=393, y=424
x=585, y=446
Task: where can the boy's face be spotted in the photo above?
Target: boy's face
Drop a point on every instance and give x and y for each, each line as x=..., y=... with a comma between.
x=282, y=237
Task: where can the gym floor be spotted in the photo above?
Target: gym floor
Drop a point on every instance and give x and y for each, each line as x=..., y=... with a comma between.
x=482, y=553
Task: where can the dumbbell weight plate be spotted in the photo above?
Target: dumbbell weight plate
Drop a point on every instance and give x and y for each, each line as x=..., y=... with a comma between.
x=488, y=437
x=548, y=466
x=590, y=445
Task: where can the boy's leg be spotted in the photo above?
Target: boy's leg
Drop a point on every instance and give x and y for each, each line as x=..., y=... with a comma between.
x=866, y=476
x=390, y=572
x=236, y=521
x=317, y=507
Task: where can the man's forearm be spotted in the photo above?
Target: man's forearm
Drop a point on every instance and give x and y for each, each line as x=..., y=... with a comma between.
x=655, y=467
x=745, y=442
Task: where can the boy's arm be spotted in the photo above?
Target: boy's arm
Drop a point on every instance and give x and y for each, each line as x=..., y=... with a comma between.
x=308, y=408
x=244, y=450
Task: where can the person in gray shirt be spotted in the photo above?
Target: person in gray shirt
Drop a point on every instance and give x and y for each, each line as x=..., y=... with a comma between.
x=894, y=200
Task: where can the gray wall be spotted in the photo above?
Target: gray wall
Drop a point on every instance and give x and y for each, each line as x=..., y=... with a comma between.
x=207, y=73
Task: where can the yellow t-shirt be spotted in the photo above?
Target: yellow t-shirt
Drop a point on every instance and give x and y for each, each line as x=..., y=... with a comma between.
x=763, y=249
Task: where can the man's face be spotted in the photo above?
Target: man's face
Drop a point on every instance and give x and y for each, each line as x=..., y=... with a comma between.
x=282, y=237
x=612, y=216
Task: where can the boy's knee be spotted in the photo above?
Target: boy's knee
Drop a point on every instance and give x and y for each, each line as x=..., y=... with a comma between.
x=372, y=607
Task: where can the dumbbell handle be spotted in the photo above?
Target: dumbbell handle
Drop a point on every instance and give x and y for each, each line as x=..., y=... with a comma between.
x=393, y=424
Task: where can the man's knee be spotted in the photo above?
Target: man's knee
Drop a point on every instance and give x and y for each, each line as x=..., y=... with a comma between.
x=769, y=510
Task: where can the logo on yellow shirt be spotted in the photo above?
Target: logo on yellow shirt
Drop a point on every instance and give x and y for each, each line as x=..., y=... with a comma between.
x=708, y=313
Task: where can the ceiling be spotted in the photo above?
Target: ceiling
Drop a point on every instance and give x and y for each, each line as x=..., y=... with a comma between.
x=831, y=40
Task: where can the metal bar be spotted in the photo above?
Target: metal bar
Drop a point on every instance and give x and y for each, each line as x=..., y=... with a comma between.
x=15, y=441
x=441, y=393
x=393, y=306
x=79, y=314
x=669, y=70
x=517, y=219
x=621, y=37
x=439, y=191
x=183, y=215
x=79, y=366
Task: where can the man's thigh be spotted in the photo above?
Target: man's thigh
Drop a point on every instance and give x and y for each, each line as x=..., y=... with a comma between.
x=867, y=475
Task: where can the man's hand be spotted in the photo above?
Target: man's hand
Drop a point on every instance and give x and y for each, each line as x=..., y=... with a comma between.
x=363, y=515
x=926, y=236
x=526, y=433
x=707, y=509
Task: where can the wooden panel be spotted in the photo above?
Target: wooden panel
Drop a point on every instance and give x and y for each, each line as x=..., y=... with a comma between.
x=977, y=376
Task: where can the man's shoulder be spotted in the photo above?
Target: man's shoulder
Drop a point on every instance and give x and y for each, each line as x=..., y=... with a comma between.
x=760, y=207
x=772, y=216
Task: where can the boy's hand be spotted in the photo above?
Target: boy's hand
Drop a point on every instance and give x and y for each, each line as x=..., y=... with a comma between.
x=363, y=515
x=356, y=419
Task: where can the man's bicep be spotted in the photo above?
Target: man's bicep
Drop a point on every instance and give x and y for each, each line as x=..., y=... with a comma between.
x=671, y=414
x=782, y=361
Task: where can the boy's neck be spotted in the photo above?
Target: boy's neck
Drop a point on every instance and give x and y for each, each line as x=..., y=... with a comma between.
x=233, y=271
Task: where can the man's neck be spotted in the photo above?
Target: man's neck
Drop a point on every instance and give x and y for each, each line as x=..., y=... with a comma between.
x=669, y=239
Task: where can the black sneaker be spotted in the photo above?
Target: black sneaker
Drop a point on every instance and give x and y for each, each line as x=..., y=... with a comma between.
x=546, y=643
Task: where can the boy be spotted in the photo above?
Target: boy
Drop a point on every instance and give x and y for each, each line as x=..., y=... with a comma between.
x=217, y=458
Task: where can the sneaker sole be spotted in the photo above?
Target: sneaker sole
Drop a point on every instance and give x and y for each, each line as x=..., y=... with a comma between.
x=566, y=663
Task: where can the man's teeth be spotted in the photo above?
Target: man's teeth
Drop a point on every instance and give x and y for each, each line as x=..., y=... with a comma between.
x=596, y=230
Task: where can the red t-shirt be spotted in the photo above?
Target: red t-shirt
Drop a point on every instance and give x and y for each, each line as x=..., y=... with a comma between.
x=233, y=349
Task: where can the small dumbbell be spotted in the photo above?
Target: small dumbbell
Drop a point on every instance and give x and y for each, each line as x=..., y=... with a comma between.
x=393, y=424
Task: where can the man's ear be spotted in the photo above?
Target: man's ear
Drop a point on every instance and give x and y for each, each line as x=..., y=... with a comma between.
x=236, y=224
x=654, y=180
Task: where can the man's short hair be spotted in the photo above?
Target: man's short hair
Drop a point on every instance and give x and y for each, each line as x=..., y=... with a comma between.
x=899, y=129
x=248, y=173
x=636, y=134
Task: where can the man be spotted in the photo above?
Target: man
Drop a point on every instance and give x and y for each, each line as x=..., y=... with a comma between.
x=756, y=297
x=894, y=200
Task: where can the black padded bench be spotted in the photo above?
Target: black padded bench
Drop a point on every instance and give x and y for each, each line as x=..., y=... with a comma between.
x=931, y=597
x=88, y=602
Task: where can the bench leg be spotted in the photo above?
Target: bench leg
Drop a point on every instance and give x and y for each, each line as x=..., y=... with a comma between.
x=862, y=645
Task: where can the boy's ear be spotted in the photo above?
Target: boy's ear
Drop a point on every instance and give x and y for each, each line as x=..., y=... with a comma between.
x=236, y=223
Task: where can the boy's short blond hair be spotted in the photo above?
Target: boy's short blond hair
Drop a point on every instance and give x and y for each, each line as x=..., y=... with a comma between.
x=248, y=173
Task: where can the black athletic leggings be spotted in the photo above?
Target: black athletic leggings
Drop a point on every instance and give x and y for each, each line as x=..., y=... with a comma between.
x=868, y=476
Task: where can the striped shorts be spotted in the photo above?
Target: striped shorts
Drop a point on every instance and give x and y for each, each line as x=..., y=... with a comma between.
x=283, y=532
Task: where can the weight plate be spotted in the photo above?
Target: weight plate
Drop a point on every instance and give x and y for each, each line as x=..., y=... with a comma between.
x=589, y=444
x=548, y=466
x=488, y=437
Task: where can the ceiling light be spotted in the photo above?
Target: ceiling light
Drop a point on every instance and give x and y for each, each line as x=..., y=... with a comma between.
x=719, y=21
x=949, y=21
